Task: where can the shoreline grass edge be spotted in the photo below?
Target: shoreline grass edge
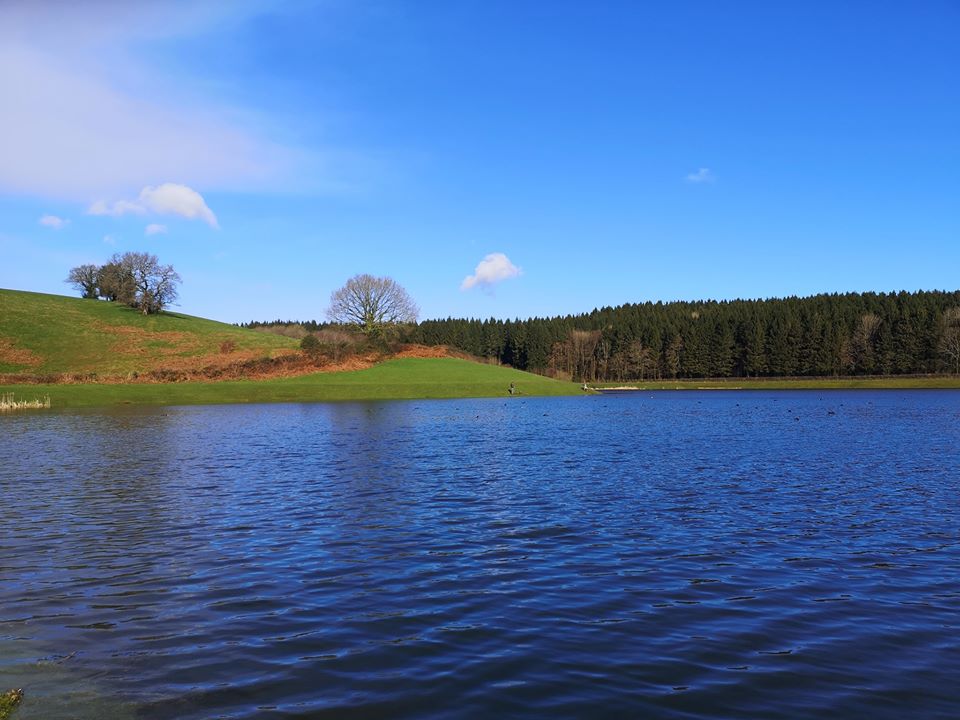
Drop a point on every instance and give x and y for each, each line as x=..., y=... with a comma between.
x=400, y=379
x=907, y=382
x=346, y=387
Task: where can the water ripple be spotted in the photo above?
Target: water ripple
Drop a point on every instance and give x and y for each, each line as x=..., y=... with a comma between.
x=674, y=555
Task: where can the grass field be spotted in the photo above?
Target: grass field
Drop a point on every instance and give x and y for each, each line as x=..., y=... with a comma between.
x=408, y=378
x=41, y=334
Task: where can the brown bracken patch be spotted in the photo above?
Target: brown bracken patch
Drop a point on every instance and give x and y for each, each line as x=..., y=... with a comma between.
x=133, y=341
x=13, y=355
x=427, y=351
x=354, y=362
x=238, y=365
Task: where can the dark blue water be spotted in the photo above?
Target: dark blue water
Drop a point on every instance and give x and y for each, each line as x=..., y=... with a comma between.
x=667, y=555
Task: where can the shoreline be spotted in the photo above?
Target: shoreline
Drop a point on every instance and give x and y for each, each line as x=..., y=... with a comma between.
x=244, y=393
x=355, y=387
x=907, y=382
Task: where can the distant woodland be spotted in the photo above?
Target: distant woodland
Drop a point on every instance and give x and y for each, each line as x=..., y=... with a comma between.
x=824, y=335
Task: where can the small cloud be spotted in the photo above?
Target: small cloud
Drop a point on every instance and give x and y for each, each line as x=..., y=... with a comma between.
x=165, y=199
x=703, y=175
x=120, y=207
x=52, y=221
x=154, y=229
x=109, y=240
x=494, y=268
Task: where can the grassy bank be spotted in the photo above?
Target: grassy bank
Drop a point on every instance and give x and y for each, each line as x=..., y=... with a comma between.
x=408, y=378
x=865, y=383
x=43, y=334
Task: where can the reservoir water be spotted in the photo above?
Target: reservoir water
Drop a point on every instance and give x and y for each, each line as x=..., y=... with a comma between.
x=659, y=555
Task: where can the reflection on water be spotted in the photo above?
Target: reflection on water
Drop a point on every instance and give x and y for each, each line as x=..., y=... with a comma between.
x=671, y=554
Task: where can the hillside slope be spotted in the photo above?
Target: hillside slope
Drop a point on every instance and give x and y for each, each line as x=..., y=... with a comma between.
x=47, y=334
x=91, y=353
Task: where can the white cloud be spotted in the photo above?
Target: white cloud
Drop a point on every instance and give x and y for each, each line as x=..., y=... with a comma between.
x=109, y=240
x=166, y=199
x=52, y=221
x=87, y=115
x=154, y=229
x=494, y=268
x=703, y=175
x=116, y=209
x=173, y=199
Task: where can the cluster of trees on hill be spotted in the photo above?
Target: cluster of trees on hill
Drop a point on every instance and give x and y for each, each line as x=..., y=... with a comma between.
x=823, y=335
x=133, y=278
x=373, y=306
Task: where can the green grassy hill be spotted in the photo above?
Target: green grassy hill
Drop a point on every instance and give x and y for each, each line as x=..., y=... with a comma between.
x=50, y=334
x=45, y=334
x=407, y=378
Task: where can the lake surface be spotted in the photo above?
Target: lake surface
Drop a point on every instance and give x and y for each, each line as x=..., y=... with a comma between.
x=663, y=555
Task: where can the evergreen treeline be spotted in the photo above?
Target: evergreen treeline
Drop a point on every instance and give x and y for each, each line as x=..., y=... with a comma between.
x=823, y=335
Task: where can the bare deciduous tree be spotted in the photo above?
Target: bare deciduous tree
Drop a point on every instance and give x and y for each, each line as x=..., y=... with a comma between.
x=86, y=279
x=583, y=345
x=560, y=361
x=861, y=344
x=371, y=303
x=575, y=357
x=155, y=284
x=950, y=339
x=336, y=343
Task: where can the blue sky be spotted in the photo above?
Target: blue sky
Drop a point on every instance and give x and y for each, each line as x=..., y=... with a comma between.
x=562, y=156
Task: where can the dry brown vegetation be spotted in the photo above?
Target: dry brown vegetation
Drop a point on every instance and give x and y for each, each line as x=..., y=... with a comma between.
x=234, y=365
x=429, y=351
x=13, y=355
x=8, y=403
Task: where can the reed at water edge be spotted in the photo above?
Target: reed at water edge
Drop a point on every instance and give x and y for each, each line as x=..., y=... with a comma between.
x=8, y=402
